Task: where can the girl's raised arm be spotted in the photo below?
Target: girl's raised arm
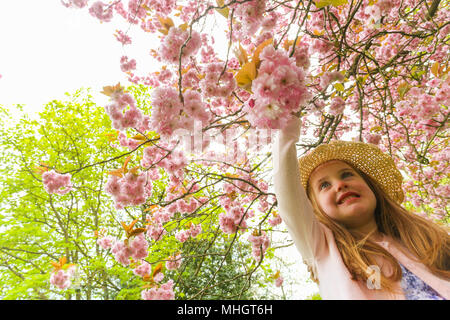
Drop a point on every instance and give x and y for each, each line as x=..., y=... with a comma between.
x=294, y=206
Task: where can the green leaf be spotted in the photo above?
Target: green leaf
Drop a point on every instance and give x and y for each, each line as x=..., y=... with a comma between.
x=339, y=86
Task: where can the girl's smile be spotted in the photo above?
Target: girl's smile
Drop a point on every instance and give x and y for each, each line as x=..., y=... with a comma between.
x=347, y=198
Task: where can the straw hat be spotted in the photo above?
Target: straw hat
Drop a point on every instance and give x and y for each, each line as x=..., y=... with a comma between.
x=365, y=156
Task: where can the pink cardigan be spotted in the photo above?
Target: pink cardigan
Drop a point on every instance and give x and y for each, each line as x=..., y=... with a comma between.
x=316, y=242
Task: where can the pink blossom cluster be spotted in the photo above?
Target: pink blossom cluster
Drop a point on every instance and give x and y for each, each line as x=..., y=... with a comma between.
x=126, y=64
x=316, y=22
x=101, y=11
x=182, y=235
x=191, y=9
x=278, y=90
x=263, y=204
x=156, y=220
x=122, y=37
x=301, y=56
x=74, y=3
x=163, y=292
x=62, y=278
x=145, y=11
x=270, y=20
x=233, y=64
x=275, y=220
x=166, y=112
x=137, y=8
x=163, y=7
x=374, y=13
x=185, y=203
x=187, y=207
x=195, y=107
x=136, y=248
x=233, y=218
x=379, y=9
x=217, y=82
x=429, y=177
x=140, y=245
x=260, y=243
x=373, y=138
x=151, y=155
x=442, y=95
x=169, y=114
x=320, y=46
x=249, y=16
x=207, y=51
x=56, y=183
x=193, y=232
x=164, y=76
x=443, y=190
x=155, y=230
x=128, y=16
x=279, y=281
x=391, y=46
x=329, y=77
x=124, y=141
x=174, y=162
x=130, y=190
x=158, y=277
x=123, y=117
x=143, y=269
x=418, y=105
x=173, y=42
x=106, y=242
x=336, y=106
x=245, y=183
x=174, y=262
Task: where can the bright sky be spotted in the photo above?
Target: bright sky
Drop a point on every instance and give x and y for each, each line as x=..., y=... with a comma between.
x=48, y=50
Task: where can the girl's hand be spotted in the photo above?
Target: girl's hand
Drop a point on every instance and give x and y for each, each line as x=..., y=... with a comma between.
x=292, y=129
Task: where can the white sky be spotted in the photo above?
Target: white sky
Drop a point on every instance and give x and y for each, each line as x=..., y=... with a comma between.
x=47, y=50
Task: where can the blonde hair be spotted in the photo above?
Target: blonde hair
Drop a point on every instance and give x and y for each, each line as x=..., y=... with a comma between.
x=427, y=241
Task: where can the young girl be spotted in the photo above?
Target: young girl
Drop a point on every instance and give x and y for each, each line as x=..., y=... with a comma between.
x=341, y=205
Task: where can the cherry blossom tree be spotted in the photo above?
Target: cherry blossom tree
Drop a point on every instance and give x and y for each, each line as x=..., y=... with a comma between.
x=70, y=245
x=369, y=70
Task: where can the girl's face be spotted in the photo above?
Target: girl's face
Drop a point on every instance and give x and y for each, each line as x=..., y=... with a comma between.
x=343, y=195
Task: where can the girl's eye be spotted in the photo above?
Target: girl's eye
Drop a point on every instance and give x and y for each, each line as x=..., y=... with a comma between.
x=347, y=173
x=322, y=184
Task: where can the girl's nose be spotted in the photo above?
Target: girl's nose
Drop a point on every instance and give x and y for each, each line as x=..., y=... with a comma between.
x=341, y=185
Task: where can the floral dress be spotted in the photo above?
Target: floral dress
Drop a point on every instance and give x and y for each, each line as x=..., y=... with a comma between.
x=415, y=289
